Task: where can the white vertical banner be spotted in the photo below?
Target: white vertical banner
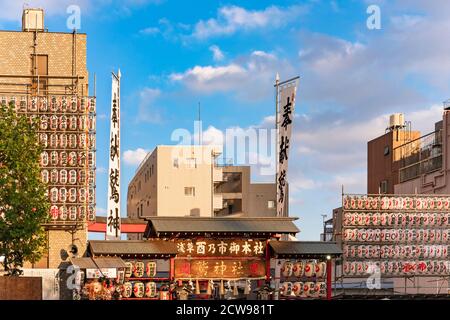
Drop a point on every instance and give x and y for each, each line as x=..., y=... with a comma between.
x=286, y=94
x=113, y=218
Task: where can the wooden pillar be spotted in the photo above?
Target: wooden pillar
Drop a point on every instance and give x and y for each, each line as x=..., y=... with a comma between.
x=329, y=279
x=267, y=261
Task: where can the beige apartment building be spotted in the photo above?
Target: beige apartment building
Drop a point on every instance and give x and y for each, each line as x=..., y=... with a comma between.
x=44, y=74
x=187, y=181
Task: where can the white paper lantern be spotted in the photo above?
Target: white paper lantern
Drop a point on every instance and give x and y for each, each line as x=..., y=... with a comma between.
x=72, y=195
x=43, y=104
x=63, y=158
x=44, y=176
x=54, y=140
x=54, y=176
x=297, y=288
x=43, y=140
x=286, y=269
x=446, y=203
x=73, y=104
x=286, y=289
x=54, y=212
x=63, y=213
x=309, y=269
x=298, y=266
x=72, y=160
x=73, y=123
x=62, y=195
x=127, y=289
x=72, y=213
x=72, y=141
x=82, y=212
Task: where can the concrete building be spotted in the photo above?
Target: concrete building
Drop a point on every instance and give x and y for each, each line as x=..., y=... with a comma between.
x=45, y=75
x=408, y=162
x=187, y=181
x=405, y=162
x=383, y=157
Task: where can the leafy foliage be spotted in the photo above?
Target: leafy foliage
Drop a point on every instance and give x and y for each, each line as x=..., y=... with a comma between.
x=24, y=204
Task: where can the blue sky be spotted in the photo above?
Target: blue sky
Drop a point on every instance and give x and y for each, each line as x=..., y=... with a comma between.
x=225, y=54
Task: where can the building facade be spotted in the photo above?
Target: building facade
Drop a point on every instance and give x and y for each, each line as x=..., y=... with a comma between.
x=407, y=162
x=44, y=74
x=187, y=181
x=383, y=160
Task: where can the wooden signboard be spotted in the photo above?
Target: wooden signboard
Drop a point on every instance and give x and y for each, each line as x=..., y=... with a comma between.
x=221, y=248
x=219, y=269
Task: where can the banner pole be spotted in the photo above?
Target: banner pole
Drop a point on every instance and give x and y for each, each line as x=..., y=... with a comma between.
x=277, y=82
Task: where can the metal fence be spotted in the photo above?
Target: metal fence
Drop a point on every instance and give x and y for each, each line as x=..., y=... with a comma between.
x=419, y=156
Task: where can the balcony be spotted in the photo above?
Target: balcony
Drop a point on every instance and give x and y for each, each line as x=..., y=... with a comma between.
x=217, y=202
x=420, y=156
x=217, y=174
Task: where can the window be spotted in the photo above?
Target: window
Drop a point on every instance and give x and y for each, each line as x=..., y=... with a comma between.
x=270, y=204
x=189, y=191
x=191, y=163
x=384, y=186
x=386, y=150
x=175, y=163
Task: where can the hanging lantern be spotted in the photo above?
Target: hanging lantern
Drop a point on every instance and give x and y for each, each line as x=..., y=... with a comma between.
x=63, y=123
x=209, y=288
x=150, y=290
x=298, y=266
x=73, y=104
x=235, y=289
x=151, y=269
x=286, y=269
x=197, y=287
x=139, y=269
x=129, y=269
x=72, y=213
x=43, y=104
x=248, y=286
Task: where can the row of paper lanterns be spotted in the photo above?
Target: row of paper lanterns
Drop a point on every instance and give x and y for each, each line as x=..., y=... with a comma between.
x=396, y=219
x=395, y=251
x=63, y=122
x=308, y=289
x=72, y=213
x=52, y=104
x=433, y=267
x=303, y=268
x=395, y=203
x=71, y=141
x=396, y=235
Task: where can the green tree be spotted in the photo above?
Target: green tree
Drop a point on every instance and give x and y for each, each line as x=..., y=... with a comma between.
x=24, y=205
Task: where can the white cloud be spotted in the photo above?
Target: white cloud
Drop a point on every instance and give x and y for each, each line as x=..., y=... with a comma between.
x=101, y=170
x=217, y=53
x=148, y=111
x=134, y=157
x=100, y=211
x=248, y=76
x=231, y=19
x=150, y=31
